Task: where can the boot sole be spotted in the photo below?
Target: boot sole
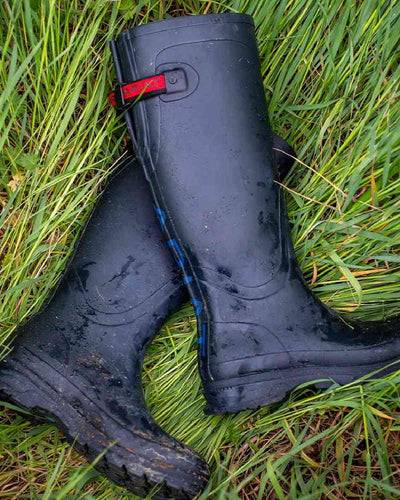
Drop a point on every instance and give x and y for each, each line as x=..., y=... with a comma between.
x=67, y=410
x=258, y=390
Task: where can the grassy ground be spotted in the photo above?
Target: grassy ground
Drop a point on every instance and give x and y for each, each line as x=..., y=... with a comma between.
x=331, y=73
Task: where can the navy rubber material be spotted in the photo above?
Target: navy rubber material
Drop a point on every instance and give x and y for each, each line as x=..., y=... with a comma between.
x=78, y=362
x=207, y=154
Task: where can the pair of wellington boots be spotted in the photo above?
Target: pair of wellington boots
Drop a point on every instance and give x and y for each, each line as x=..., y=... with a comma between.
x=192, y=96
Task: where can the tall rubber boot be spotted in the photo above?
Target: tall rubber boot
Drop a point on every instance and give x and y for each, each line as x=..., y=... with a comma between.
x=78, y=363
x=201, y=131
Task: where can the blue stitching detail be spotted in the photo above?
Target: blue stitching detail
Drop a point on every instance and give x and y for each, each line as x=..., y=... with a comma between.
x=202, y=340
x=187, y=279
x=198, y=306
x=161, y=216
x=180, y=259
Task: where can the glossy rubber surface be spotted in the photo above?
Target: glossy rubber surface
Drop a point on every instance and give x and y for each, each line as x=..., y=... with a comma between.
x=207, y=154
x=78, y=363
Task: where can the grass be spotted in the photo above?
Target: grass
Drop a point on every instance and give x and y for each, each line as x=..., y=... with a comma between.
x=331, y=72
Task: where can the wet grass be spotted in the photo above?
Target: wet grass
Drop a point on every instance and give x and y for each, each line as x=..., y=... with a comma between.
x=331, y=73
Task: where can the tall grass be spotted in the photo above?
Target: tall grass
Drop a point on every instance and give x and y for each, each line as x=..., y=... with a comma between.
x=55, y=140
x=331, y=74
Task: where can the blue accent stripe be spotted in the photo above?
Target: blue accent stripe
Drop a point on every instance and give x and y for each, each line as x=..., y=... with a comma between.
x=202, y=340
x=180, y=259
x=198, y=306
x=161, y=216
x=187, y=279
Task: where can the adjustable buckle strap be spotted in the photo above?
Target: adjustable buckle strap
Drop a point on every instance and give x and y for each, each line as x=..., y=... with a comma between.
x=126, y=94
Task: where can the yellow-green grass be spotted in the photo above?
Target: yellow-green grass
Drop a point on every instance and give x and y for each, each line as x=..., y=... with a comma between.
x=331, y=74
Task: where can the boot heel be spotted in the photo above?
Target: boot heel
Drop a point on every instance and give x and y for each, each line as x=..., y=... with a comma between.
x=256, y=391
x=245, y=395
x=263, y=389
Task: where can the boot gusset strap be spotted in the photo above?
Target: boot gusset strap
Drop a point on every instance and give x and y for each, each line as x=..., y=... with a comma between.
x=168, y=82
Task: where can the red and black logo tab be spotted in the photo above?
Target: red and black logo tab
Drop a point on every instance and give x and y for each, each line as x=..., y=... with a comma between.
x=128, y=93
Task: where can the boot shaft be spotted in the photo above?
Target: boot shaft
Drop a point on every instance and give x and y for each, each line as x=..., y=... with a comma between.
x=211, y=142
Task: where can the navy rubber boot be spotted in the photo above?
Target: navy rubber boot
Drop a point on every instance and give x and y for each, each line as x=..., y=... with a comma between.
x=194, y=102
x=78, y=362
